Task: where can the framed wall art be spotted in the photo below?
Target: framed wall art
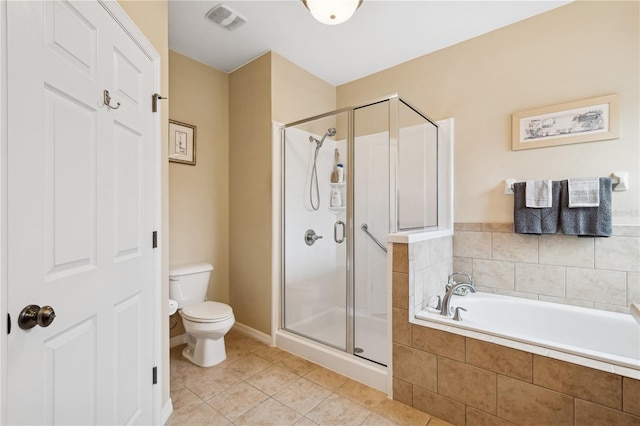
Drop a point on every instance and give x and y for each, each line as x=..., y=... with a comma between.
x=587, y=120
x=182, y=143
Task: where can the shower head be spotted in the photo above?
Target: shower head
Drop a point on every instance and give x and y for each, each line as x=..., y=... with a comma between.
x=330, y=132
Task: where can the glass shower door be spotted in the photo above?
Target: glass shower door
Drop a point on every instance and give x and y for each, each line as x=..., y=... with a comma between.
x=371, y=227
x=315, y=230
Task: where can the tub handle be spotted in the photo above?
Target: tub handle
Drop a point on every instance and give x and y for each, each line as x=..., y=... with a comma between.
x=438, y=303
x=456, y=315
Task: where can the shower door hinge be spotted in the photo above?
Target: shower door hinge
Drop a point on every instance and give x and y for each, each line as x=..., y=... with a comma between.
x=154, y=240
x=155, y=376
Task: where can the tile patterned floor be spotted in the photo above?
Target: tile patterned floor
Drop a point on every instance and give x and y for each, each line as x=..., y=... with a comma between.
x=261, y=385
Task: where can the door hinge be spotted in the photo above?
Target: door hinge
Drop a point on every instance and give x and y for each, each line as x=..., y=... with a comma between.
x=154, y=102
x=8, y=323
x=155, y=376
x=154, y=240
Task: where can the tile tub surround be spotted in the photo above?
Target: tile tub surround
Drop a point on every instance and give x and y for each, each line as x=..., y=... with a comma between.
x=601, y=273
x=467, y=381
x=425, y=265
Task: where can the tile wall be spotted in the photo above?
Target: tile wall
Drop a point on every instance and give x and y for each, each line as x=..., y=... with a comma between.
x=471, y=382
x=601, y=273
x=430, y=264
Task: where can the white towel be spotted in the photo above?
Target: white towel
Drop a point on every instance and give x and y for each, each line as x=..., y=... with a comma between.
x=538, y=194
x=584, y=192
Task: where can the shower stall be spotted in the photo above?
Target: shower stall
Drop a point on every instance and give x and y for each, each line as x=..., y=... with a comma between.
x=349, y=179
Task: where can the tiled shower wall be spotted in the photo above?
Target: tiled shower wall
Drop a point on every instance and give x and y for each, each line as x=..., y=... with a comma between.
x=601, y=273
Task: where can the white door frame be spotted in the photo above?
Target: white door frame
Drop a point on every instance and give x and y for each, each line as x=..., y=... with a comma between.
x=118, y=14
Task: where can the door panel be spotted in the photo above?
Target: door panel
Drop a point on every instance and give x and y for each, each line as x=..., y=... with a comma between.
x=80, y=214
x=127, y=147
x=70, y=184
x=71, y=36
x=129, y=359
x=73, y=349
x=128, y=79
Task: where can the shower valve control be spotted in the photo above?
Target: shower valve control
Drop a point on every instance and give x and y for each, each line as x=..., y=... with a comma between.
x=310, y=237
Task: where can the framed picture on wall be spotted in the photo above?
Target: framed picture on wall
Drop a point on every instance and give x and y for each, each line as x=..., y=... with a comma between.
x=182, y=143
x=587, y=120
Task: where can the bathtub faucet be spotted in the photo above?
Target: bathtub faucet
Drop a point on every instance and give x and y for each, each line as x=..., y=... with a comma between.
x=446, y=301
x=463, y=291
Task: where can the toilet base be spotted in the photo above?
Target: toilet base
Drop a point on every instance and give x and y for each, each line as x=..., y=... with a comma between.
x=205, y=352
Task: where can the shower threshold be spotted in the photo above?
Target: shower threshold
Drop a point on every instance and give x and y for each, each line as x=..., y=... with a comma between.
x=354, y=367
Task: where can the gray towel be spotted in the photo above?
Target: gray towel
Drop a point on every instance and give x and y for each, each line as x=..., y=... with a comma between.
x=535, y=220
x=587, y=221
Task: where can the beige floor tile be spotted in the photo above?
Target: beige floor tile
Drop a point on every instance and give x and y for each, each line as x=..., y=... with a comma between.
x=248, y=366
x=212, y=383
x=325, y=377
x=175, y=385
x=237, y=390
x=337, y=410
x=240, y=342
x=272, y=354
x=183, y=370
x=400, y=413
x=298, y=365
x=199, y=414
x=183, y=397
x=362, y=394
x=273, y=379
x=236, y=401
x=302, y=395
x=305, y=422
x=234, y=354
x=270, y=412
x=374, y=419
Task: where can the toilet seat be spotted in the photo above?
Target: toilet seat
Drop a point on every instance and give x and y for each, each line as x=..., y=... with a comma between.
x=207, y=312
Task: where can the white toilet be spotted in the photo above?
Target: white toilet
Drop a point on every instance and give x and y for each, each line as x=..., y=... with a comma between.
x=205, y=322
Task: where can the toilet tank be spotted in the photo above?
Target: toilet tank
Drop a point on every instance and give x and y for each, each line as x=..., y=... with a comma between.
x=188, y=283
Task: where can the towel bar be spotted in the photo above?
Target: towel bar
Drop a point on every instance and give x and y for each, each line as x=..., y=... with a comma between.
x=619, y=182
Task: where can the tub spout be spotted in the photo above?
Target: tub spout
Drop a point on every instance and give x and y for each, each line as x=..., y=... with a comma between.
x=451, y=282
x=446, y=301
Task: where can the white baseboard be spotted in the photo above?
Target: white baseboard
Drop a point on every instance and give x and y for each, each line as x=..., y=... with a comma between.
x=166, y=411
x=252, y=332
x=244, y=329
x=178, y=340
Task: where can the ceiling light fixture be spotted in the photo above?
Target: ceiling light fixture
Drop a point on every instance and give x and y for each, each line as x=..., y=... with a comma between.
x=332, y=12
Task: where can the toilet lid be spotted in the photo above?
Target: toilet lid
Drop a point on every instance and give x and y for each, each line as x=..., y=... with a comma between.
x=207, y=311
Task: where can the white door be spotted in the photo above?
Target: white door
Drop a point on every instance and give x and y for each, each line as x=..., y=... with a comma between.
x=80, y=217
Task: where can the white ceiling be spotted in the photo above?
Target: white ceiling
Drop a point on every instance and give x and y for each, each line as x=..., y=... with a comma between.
x=381, y=34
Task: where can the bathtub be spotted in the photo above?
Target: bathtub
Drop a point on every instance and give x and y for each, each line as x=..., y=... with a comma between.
x=598, y=339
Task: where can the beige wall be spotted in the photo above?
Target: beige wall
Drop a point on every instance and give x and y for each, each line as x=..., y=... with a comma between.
x=269, y=88
x=296, y=93
x=199, y=195
x=578, y=51
x=152, y=18
x=250, y=193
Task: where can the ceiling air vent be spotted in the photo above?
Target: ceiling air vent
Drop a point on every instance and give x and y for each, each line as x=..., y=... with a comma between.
x=226, y=17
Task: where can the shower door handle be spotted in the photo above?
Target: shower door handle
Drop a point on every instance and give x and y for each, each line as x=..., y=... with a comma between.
x=335, y=231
